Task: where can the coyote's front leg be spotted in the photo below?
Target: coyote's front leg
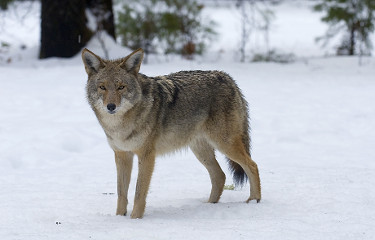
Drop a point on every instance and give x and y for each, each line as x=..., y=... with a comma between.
x=146, y=162
x=124, y=163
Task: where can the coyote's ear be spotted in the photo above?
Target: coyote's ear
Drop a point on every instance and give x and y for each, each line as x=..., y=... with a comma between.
x=133, y=61
x=92, y=62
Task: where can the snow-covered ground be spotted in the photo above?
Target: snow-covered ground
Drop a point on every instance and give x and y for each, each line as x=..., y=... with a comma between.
x=313, y=137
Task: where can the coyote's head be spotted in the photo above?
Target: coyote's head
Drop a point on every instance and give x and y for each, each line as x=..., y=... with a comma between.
x=112, y=86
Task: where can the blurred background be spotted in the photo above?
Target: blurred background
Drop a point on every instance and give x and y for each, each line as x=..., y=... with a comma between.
x=247, y=30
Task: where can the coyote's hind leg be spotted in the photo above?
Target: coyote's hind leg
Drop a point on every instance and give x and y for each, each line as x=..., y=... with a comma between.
x=206, y=155
x=236, y=151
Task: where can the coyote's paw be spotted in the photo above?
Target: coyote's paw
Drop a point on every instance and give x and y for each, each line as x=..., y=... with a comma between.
x=252, y=198
x=121, y=206
x=135, y=215
x=121, y=213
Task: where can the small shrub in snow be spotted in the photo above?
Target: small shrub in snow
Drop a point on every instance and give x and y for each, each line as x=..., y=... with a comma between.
x=273, y=56
x=229, y=187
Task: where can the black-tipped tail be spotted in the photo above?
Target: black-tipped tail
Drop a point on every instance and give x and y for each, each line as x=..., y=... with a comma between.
x=239, y=175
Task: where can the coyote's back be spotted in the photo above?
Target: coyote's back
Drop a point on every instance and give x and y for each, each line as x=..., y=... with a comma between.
x=147, y=116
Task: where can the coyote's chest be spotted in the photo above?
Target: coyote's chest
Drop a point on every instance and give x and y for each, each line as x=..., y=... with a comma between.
x=122, y=136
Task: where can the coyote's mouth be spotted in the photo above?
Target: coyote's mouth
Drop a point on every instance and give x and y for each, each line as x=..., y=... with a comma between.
x=111, y=111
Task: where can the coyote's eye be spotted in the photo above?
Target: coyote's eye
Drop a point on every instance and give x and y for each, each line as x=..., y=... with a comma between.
x=121, y=87
x=102, y=88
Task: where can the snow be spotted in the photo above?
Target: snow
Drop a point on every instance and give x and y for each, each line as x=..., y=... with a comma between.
x=313, y=136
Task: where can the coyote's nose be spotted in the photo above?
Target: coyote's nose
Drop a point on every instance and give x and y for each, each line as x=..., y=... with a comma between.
x=111, y=107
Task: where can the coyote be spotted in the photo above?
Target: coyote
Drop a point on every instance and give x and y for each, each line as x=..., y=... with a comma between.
x=149, y=116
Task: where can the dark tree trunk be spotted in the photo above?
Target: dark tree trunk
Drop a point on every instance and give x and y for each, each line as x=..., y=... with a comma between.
x=103, y=11
x=352, y=41
x=4, y=4
x=64, y=31
x=64, y=25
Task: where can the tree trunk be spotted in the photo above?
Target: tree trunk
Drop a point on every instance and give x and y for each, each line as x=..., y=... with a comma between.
x=64, y=31
x=103, y=11
x=4, y=4
x=352, y=40
x=64, y=25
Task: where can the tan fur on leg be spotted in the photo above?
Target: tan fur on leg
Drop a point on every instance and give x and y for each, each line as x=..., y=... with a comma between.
x=124, y=163
x=206, y=155
x=146, y=162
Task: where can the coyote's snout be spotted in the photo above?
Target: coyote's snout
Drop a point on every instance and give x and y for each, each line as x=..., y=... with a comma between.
x=149, y=116
x=111, y=108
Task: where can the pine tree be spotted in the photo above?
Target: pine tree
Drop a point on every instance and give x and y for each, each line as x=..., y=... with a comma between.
x=355, y=17
x=170, y=26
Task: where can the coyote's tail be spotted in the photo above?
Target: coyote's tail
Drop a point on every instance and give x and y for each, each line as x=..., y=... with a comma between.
x=239, y=175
